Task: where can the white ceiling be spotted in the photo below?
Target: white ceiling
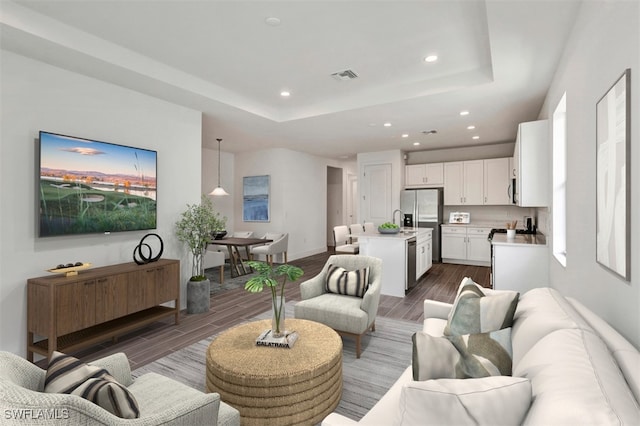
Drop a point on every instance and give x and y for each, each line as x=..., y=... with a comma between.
x=496, y=60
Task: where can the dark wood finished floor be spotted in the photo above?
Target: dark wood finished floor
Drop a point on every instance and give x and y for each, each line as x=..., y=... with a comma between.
x=234, y=306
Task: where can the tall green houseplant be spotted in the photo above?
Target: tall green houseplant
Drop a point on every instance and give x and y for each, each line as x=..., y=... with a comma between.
x=194, y=228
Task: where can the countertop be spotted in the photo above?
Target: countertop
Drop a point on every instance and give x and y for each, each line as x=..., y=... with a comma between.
x=520, y=240
x=483, y=224
x=404, y=234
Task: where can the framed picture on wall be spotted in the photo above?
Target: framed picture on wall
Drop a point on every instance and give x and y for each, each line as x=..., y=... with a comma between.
x=613, y=178
x=255, y=198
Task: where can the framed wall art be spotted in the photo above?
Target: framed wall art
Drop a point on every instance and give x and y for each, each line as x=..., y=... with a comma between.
x=255, y=198
x=613, y=178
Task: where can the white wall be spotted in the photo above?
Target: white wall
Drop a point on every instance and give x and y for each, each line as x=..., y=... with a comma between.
x=37, y=96
x=604, y=42
x=224, y=204
x=298, y=197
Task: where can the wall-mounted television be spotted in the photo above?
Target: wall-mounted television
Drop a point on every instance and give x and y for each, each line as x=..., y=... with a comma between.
x=87, y=186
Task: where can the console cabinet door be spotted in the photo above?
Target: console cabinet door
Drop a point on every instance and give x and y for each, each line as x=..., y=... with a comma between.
x=141, y=290
x=166, y=278
x=75, y=306
x=111, y=297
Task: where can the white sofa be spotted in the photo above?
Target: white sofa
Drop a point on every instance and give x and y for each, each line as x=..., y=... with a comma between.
x=580, y=370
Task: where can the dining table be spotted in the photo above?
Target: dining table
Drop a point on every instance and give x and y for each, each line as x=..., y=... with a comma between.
x=233, y=244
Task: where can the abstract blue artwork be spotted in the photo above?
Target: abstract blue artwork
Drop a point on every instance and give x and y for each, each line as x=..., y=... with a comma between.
x=255, y=198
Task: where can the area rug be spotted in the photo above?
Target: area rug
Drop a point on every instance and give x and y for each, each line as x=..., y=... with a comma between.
x=386, y=353
x=229, y=283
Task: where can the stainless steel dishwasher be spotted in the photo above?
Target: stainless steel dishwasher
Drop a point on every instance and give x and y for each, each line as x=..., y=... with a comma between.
x=411, y=264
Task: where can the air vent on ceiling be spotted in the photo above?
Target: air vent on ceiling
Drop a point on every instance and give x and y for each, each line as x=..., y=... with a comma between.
x=344, y=75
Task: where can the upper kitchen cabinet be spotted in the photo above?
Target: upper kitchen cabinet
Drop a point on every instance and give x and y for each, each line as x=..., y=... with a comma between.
x=463, y=183
x=424, y=175
x=497, y=181
x=531, y=162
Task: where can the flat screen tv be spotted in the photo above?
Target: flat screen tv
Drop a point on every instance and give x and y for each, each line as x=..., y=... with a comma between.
x=87, y=186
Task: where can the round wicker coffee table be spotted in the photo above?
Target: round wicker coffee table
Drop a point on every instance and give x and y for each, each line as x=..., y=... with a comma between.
x=277, y=386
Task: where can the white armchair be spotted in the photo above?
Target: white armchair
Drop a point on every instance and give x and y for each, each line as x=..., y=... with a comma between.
x=279, y=245
x=162, y=401
x=342, y=239
x=347, y=315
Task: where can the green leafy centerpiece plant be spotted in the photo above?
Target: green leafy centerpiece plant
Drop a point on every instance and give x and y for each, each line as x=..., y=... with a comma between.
x=275, y=279
x=388, y=228
x=194, y=228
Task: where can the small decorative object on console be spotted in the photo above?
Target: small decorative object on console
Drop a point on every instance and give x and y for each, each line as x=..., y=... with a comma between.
x=70, y=269
x=140, y=258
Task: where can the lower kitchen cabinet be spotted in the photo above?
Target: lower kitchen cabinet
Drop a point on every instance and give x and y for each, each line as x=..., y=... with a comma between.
x=466, y=245
x=424, y=253
x=520, y=267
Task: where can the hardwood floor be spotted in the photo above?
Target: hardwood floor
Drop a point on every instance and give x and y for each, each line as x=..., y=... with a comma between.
x=234, y=306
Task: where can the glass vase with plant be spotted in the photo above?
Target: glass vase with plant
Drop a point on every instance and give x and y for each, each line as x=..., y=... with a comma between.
x=275, y=279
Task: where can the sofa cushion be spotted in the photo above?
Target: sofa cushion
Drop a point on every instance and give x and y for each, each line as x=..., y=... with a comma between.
x=67, y=374
x=349, y=283
x=468, y=356
x=478, y=310
x=575, y=381
x=489, y=401
x=539, y=312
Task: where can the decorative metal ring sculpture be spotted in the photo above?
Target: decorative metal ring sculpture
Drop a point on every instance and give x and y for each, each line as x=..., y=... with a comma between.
x=140, y=258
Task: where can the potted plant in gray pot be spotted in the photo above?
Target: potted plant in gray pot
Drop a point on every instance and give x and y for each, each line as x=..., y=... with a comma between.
x=195, y=228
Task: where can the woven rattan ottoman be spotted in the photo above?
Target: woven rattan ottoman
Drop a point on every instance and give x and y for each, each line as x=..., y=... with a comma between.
x=277, y=386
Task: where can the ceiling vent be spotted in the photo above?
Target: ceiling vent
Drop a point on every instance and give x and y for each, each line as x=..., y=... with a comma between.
x=344, y=75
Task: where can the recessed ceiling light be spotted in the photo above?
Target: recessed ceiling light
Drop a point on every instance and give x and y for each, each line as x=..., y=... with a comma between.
x=285, y=94
x=471, y=127
x=416, y=143
x=476, y=137
x=387, y=124
x=404, y=135
x=272, y=21
x=464, y=112
x=431, y=58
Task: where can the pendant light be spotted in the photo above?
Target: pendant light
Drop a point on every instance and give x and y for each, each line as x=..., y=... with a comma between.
x=219, y=190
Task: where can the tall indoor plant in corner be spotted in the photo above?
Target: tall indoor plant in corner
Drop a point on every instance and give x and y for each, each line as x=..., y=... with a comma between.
x=194, y=228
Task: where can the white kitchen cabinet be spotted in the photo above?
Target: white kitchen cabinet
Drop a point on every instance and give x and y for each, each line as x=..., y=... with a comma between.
x=466, y=245
x=464, y=183
x=424, y=253
x=531, y=162
x=497, y=181
x=376, y=192
x=424, y=175
x=520, y=267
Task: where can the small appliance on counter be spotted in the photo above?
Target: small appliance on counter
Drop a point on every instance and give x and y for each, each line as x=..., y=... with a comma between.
x=459, y=217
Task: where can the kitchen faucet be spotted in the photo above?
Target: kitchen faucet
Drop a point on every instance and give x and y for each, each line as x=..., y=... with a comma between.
x=393, y=216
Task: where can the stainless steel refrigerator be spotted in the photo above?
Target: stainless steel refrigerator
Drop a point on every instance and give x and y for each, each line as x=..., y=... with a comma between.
x=422, y=208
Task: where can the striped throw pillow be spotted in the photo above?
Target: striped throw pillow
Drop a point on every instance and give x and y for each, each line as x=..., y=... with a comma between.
x=67, y=374
x=350, y=283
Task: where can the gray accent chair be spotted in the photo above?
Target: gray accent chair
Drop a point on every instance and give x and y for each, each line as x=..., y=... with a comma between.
x=162, y=401
x=347, y=315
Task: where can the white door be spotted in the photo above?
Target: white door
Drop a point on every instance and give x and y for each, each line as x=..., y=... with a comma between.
x=352, y=199
x=376, y=193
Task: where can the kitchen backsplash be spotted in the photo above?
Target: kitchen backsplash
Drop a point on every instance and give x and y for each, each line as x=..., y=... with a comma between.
x=492, y=213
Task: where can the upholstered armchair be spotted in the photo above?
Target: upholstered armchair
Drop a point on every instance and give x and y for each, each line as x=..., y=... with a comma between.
x=162, y=401
x=223, y=249
x=279, y=245
x=213, y=259
x=348, y=315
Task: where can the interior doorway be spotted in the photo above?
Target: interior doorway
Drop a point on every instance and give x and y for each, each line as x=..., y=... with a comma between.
x=335, y=208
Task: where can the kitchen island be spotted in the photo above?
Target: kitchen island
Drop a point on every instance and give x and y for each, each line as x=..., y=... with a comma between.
x=405, y=257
